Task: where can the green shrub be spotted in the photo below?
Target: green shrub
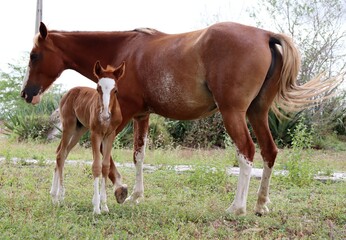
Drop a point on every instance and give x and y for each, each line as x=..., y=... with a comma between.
x=300, y=169
x=205, y=133
x=159, y=136
x=28, y=127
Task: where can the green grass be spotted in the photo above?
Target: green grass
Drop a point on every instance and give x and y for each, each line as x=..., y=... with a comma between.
x=189, y=205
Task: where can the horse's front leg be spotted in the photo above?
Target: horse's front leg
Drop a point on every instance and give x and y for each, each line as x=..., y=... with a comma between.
x=141, y=126
x=96, y=170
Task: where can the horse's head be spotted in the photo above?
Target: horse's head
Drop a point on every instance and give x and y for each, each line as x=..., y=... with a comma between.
x=107, y=86
x=45, y=66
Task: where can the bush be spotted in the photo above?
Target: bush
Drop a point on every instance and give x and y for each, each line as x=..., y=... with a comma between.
x=27, y=122
x=203, y=133
x=28, y=127
x=300, y=170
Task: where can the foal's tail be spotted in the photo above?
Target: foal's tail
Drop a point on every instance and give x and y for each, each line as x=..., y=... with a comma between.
x=291, y=96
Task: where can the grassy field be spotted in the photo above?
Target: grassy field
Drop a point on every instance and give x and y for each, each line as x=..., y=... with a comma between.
x=188, y=205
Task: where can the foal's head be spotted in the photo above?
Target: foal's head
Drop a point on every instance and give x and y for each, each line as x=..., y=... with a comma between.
x=107, y=87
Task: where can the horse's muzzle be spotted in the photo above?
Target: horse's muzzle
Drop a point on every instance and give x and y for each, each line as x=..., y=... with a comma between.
x=31, y=94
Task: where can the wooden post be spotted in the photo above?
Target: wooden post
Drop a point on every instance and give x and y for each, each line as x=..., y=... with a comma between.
x=38, y=15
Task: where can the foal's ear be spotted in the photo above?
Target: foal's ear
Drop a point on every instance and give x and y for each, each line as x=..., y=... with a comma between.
x=119, y=71
x=97, y=69
x=43, y=30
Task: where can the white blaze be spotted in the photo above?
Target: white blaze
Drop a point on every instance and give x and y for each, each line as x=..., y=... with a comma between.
x=26, y=77
x=106, y=84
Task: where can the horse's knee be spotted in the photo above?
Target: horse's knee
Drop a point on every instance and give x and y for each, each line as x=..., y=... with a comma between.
x=105, y=169
x=269, y=155
x=96, y=169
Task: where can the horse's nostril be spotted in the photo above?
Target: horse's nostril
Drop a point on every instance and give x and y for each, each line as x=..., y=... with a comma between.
x=22, y=94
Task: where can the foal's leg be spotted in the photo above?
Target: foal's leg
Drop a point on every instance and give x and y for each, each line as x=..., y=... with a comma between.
x=236, y=127
x=96, y=170
x=106, y=151
x=120, y=189
x=141, y=126
x=69, y=138
x=57, y=190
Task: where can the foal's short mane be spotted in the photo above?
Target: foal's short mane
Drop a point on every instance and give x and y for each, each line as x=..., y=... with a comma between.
x=109, y=68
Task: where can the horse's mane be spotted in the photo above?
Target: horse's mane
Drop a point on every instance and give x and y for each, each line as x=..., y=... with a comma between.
x=150, y=31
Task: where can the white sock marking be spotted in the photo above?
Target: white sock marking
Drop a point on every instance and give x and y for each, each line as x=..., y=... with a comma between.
x=263, y=191
x=96, y=197
x=103, y=196
x=239, y=204
x=55, y=187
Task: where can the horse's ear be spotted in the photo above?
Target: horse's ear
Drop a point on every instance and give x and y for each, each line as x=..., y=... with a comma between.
x=97, y=69
x=43, y=30
x=119, y=71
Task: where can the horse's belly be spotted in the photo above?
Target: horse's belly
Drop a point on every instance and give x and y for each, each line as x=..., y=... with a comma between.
x=183, y=104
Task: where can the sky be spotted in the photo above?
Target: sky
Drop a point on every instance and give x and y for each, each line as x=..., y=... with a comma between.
x=17, y=21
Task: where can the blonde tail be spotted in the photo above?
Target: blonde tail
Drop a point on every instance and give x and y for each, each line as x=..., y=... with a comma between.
x=292, y=97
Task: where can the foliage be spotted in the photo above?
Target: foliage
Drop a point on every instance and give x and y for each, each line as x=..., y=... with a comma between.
x=159, y=136
x=280, y=128
x=203, y=133
x=330, y=116
x=300, y=171
x=24, y=121
x=316, y=27
x=178, y=129
x=10, y=84
x=28, y=127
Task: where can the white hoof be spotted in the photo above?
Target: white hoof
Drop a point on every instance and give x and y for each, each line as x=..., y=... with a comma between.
x=235, y=210
x=134, y=198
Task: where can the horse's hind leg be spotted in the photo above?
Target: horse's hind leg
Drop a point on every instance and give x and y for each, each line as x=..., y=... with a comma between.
x=236, y=127
x=141, y=126
x=258, y=118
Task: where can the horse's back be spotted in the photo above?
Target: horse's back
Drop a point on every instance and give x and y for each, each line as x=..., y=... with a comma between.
x=77, y=103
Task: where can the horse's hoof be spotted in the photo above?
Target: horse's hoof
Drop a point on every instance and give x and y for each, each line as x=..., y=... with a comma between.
x=258, y=214
x=261, y=210
x=236, y=211
x=121, y=194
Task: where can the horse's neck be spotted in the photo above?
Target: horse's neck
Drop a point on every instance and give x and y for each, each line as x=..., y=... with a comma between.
x=81, y=49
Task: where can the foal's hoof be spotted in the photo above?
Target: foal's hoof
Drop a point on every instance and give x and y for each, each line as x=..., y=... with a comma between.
x=121, y=194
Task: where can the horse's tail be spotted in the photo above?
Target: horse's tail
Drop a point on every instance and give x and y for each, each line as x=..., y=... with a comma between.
x=291, y=96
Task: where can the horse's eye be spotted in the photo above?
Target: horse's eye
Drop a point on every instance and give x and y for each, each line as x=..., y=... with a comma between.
x=34, y=57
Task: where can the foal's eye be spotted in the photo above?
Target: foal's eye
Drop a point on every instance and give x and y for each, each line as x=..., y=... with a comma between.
x=34, y=57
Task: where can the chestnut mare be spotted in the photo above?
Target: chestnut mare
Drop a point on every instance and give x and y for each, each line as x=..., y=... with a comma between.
x=84, y=108
x=239, y=70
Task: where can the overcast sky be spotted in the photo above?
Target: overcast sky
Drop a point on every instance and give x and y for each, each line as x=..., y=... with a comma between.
x=17, y=19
